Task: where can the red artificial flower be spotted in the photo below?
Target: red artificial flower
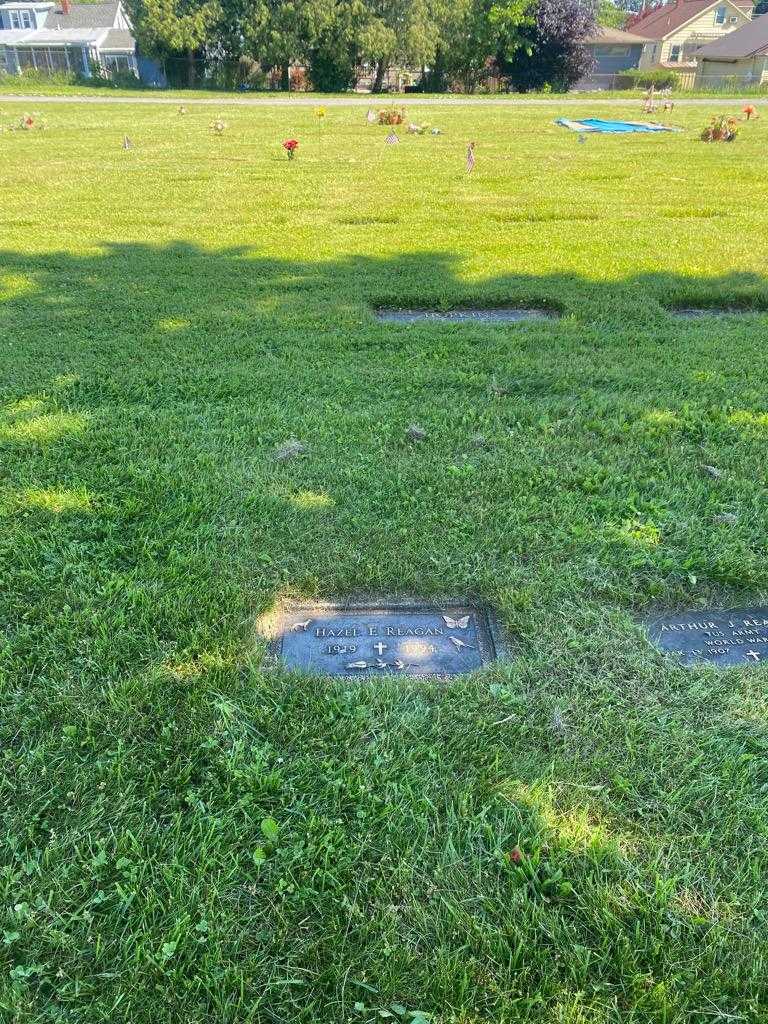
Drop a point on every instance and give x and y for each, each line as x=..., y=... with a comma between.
x=290, y=146
x=749, y=110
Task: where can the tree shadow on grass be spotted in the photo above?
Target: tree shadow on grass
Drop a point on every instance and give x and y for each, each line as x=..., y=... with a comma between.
x=560, y=839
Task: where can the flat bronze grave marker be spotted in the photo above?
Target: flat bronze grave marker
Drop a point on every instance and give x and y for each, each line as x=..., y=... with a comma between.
x=392, y=639
x=510, y=315
x=732, y=637
x=700, y=312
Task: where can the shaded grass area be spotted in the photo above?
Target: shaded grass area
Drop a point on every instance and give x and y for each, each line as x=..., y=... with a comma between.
x=576, y=837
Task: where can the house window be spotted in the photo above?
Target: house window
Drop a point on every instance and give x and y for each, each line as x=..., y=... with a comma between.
x=720, y=14
x=674, y=54
x=21, y=19
x=118, y=62
x=76, y=60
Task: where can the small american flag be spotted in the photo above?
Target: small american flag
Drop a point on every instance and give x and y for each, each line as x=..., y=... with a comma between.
x=127, y=144
x=392, y=139
x=470, y=157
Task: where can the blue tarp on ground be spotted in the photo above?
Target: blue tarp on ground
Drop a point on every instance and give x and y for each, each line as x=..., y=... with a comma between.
x=596, y=124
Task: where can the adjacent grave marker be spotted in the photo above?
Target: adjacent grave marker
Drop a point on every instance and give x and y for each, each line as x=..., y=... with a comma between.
x=510, y=315
x=725, y=638
x=388, y=638
x=699, y=312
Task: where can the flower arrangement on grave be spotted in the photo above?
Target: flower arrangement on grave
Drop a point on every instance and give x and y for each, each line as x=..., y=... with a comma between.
x=218, y=126
x=27, y=123
x=392, y=115
x=721, y=128
x=749, y=110
x=290, y=146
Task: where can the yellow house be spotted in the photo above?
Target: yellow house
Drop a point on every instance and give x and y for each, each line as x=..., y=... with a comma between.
x=677, y=30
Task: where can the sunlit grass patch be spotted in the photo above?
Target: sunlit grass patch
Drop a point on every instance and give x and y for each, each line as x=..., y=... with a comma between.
x=55, y=500
x=311, y=500
x=43, y=429
x=15, y=286
x=645, y=535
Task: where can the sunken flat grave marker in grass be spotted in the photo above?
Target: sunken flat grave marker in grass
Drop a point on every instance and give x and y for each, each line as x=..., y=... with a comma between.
x=701, y=312
x=506, y=315
x=400, y=638
x=725, y=638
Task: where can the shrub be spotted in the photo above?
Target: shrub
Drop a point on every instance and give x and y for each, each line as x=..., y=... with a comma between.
x=637, y=78
x=32, y=75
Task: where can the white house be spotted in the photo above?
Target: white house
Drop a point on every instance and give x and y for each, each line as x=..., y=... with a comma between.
x=66, y=37
x=741, y=57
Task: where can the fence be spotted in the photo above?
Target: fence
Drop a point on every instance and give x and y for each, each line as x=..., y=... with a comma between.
x=687, y=81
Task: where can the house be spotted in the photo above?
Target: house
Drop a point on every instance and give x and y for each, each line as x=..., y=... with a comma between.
x=614, y=50
x=677, y=30
x=741, y=55
x=68, y=37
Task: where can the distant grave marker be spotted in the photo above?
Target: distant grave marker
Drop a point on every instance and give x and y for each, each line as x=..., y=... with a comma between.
x=724, y=638
x=509, y=315
x=384, y=638
x=700, y=312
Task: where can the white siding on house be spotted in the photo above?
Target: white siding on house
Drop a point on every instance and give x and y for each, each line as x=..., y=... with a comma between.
x=696, y=33
x=751, y=70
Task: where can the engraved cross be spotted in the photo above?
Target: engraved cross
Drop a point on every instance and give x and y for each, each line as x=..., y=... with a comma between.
x=380, y=647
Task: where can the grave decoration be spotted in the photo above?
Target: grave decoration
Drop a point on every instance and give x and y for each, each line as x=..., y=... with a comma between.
x=721, y=128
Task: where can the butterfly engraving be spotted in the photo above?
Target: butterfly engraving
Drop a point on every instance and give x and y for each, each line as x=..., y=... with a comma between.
x=461, y=623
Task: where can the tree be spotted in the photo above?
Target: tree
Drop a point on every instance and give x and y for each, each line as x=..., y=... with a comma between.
x=611, y=16
x=556, y=55
x=397, y=31
x=476, y=33
x=274, y=32
x=335, y=44
x=175, y=27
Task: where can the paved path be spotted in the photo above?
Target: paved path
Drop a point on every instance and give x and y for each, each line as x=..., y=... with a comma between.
x=582, y=100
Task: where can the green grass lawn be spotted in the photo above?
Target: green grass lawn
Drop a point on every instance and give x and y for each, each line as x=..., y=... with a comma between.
x=170, y=316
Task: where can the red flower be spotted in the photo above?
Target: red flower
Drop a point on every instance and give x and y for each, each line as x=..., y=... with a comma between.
x=749, y=110
x=290, y=146
x=516, y=855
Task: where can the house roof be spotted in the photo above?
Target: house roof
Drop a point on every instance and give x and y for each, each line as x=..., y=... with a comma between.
x=662, y=21
x=84, y=16
x=742, y=42
x=89, y=24
x=42, y=36
x=614, y=37
x=118, y=39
